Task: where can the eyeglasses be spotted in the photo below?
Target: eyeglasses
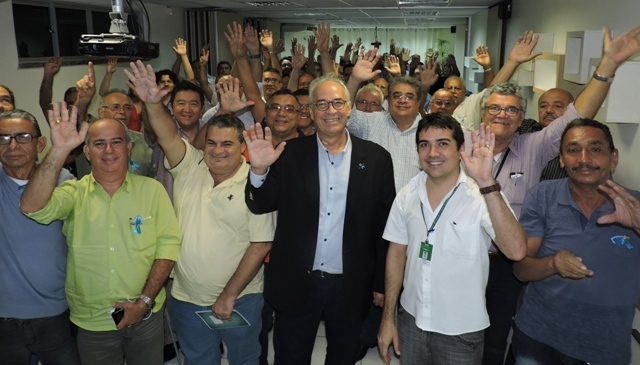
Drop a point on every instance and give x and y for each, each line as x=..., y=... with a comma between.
x=304, y=106
x=270, y=81
x=510, y=111
x=117, y=107
x=19, y=137
x=399, y=96
x=337, y=104
x=441, y=103
x=275, y=108
x=365, y=103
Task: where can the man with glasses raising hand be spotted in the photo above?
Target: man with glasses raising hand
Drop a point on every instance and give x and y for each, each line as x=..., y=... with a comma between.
x=333, y=193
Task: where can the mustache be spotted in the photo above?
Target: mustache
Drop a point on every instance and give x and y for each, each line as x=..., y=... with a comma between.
x=553, y=115
x=585, y=166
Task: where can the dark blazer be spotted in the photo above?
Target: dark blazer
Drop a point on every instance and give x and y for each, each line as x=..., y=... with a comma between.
x=292, y=187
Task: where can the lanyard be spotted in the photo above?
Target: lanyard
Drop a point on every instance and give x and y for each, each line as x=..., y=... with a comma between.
x=439, y=213
x=504, y=158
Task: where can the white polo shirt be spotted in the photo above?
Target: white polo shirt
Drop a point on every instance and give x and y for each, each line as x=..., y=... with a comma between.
x=447, y=294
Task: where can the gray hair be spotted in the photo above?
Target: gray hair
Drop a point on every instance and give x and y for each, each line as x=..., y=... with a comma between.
x=326, y=78
x=406, y=80
x=372, y=88
x=22, y=114
x=114, y=91
x=505, y=88
x=454, y=77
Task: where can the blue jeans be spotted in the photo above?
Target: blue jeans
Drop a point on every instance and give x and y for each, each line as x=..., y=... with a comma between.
x=418, y=347
x=140, y=344
x=49, y=338
x=531, y=352
x=201, y=345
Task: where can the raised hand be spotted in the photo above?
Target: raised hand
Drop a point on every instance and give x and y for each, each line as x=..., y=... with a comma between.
x=482, y=56
x=621, y=48
x=260, y=147
x=322, y=35
x=87, y=85
x=297, y=57
x=52, y=66
x=568, y=265
x=479, y=165
x=229, y=91
x=394, y=65
x=143, y=81
x=112, y=65
x=278, y=46
x=429, y=73
x=252, y=41
x=363, y=69
x=180, y=47
x=335, y=43
x=63, y=124
x=627, y=206
x=405, y=55
x=204, y=56
x=358, y=44
x=523, y=49
x=311, y=44
x=266, y=39
x=235, y=38
x=294, y=41
x=349, y=48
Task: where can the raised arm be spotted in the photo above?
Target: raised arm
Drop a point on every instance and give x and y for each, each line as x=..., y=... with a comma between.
x=105, y=85
x=363, y=71
x=483, y=59
x=237, y=44
x=335, y=45
x=86, y=90
x=297, y=62
x=311, y=56
x=65, y=136
x=143, y=80
x=322, y=35
x=266, y=39
x=51, y=68
x=616, y=51
x=509, y=235
x=252, y=44
x=521, y=52
x=181, y=50
x=202, y=75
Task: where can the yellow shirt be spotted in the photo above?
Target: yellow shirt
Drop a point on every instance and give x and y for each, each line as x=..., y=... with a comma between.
x=217, y=228
x=110, y=256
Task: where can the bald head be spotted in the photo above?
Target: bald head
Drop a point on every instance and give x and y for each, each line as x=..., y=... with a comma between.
x=552, y=105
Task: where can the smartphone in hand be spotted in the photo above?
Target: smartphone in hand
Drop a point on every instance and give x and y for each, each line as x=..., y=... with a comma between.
x=117, y=315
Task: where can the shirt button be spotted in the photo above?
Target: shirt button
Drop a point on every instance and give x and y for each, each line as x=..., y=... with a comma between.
x=113, y=271
x=330, y=188
x=111, y=225
x=325, y=240
x=113, y=249
x=328, y=213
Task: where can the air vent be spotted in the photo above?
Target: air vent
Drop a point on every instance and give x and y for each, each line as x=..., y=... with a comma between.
x=419, y=13
x=310, y=14
x=269, y=3
x=423, y=2
x=417, y=20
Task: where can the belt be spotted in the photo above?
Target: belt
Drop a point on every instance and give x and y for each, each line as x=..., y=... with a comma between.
x=324, y=274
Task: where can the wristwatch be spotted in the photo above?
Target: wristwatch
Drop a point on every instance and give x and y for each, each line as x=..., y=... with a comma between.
x=148, y=301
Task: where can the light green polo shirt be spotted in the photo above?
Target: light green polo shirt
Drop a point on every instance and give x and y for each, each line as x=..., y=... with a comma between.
x=110, y=256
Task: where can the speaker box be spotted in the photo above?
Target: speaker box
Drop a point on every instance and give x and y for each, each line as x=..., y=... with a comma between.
x=504, y=10
x=453, y=29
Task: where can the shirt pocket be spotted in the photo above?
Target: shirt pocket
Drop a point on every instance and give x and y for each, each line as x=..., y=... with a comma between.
x=461, y=240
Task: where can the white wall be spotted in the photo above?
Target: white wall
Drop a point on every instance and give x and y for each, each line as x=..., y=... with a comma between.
x=559, y=17
x=25, y=83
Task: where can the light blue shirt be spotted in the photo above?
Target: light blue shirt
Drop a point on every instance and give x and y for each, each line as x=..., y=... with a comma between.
x=333, y=171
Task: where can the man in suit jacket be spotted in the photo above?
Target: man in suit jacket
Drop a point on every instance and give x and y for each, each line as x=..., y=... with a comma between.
x=333, y=193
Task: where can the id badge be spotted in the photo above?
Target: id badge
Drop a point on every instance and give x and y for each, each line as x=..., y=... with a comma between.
x=426, y=249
